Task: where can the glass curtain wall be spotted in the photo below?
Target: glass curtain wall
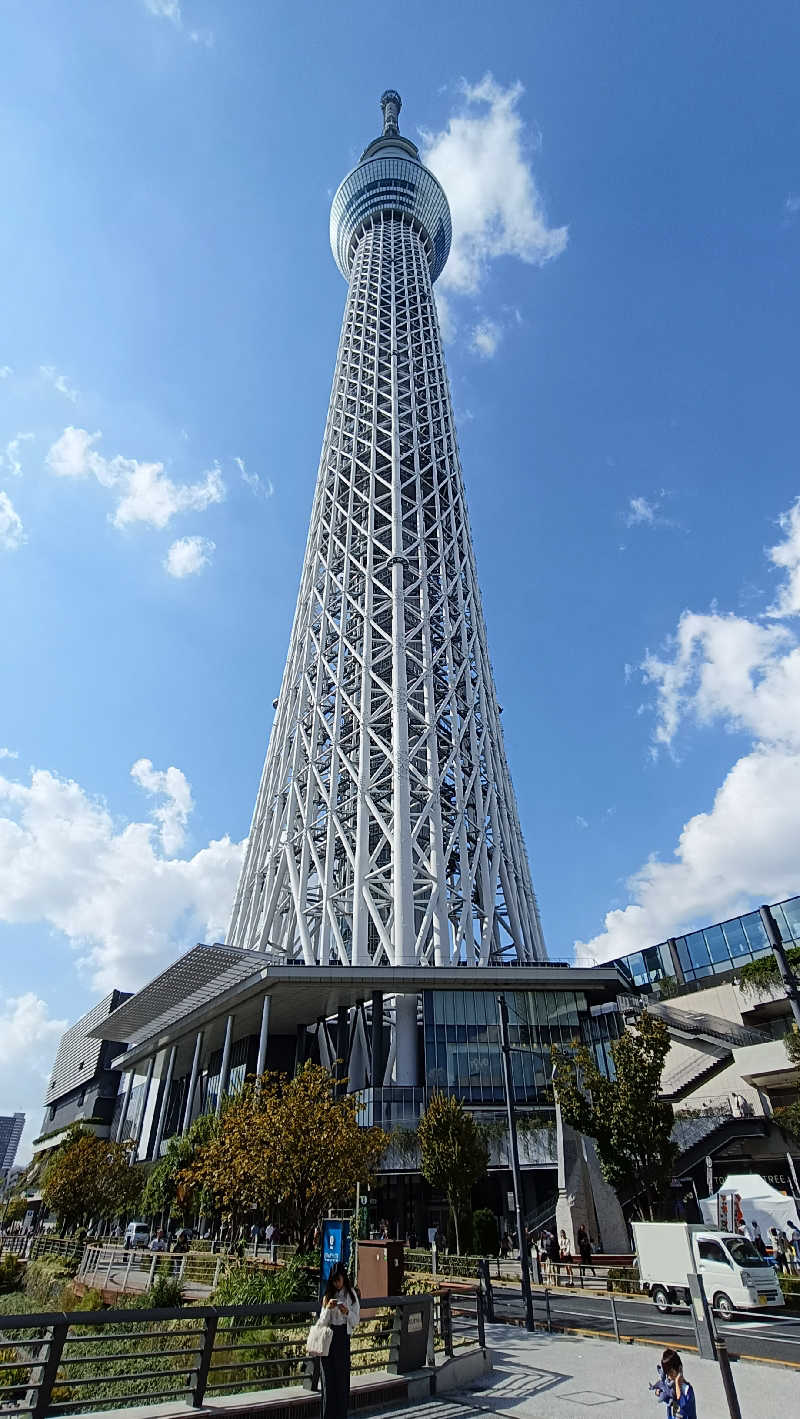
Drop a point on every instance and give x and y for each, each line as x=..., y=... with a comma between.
x=462, y=1040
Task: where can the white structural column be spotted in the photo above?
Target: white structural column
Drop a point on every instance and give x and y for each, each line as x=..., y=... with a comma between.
x=263, y=1037
x=126, y=1099
x=141, y=1121
x=162, y=1113
x=386, y=830
x=187, y=1108
x=225, y=1065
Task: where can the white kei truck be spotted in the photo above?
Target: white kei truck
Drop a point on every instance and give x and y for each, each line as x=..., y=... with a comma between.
x=735, y=1275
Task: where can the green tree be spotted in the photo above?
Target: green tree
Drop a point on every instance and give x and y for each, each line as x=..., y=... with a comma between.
x=454, y=1153
x=90, y=1177
x=170, y=1187
x=292, y=1144
x=630, y=1123
x=789, y=1115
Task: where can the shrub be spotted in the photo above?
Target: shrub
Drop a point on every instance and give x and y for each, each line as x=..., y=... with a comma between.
x=166, y=1292
x=14, y=1303
x=11, y=1270
x=485, y=1232
x=248, y=1285
x=45, y=1279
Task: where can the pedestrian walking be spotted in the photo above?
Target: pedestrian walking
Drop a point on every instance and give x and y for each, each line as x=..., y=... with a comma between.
x=566, y=1255
x=780, y=1247
x=585, y=1251
x=342, y=1312
x=158, y=1242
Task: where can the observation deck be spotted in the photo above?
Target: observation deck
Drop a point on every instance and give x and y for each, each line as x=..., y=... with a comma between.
x=390, y=178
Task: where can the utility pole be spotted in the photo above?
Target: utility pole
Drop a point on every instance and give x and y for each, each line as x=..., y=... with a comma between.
x=524, y=1260
x=787, y=975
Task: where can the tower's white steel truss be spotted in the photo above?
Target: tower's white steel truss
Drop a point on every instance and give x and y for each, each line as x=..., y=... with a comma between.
x=386, y=829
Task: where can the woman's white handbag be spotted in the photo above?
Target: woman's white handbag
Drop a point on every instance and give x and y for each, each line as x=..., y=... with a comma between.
x=319, y=1339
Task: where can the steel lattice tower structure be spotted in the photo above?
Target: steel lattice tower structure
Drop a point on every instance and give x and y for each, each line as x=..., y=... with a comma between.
x=386, y=829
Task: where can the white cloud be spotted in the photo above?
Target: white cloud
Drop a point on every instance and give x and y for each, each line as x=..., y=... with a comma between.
x=261, y=487
x=743, y=676
x=171, y=10
x=5, y=371
x=9, y=754
x=792, y=204
x=29, y=1040
x=11, y=459
x=59, y=382
x=640, y=511
x=189, y=555
x=786, y=555
x=486, y=337
x=482, y=159
x=145, y=493
x=126, y=908
x=581, y=822
x=627, y=671
x=165, y=10
x=12, y=534
x=173, y=815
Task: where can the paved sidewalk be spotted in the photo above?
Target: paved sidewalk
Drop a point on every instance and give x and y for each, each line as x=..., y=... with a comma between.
x=558, y=1377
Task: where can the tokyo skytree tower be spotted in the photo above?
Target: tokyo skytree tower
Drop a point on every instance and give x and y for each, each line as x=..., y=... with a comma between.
x=386, y=830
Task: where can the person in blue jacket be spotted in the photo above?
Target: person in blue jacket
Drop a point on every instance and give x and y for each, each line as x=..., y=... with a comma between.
x=673, y=1388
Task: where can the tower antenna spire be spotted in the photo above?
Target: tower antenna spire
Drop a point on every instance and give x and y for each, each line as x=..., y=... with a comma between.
x=391, y=104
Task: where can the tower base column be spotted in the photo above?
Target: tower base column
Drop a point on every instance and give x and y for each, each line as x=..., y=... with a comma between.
x=406, y=1053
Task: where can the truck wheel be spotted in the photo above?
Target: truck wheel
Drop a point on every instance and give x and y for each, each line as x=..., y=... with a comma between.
x=724, y=1305
x=661, y=1298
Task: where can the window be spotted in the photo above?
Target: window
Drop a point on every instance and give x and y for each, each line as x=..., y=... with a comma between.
x=743, y=1252
x=712, y=1251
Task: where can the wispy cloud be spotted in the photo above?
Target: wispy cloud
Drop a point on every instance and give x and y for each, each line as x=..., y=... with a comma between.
x=188, y=556
x=9, y=754
x=171, y=10
x=582, y=822
x=59, y=382
x=12, y=533
x=792, y=204
x=483, y=160
x=10, y=460
x=647, y=512
x=5, y=371
x=486, y=338
x=144, y=491
x=261, y=487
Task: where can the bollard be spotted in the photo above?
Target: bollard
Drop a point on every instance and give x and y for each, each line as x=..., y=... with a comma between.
x=548, y=1317
x=728, y=1385
x=614, y=1316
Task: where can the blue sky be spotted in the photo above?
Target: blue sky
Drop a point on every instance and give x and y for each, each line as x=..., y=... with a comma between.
x=621, y=316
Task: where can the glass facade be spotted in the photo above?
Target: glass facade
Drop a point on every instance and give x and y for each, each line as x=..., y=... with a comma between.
x=713, y=950
x=462, y=1040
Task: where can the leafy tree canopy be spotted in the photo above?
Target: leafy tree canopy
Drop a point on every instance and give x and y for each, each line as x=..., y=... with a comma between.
x=630, y=1123
x=170, y=1187
x=454, y=1153
x=291, y=1144
x=90, y=1177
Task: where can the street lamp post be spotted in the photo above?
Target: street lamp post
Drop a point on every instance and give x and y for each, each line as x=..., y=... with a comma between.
x=515, y=1172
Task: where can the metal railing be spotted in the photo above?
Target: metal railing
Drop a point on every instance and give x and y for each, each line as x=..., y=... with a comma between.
x=115, y=1268
x=62, y=1364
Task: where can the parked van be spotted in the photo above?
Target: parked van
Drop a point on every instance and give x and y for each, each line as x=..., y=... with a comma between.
x=736, y=1276
x=137, y=1234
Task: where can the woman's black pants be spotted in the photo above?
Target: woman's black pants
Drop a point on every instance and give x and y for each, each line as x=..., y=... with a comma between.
x=336, y=1375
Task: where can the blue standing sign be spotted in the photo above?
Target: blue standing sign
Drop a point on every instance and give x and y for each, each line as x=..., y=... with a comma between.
x=335, y=1246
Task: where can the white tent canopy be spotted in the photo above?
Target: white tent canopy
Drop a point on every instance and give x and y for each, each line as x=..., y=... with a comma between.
x=760, y=1202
